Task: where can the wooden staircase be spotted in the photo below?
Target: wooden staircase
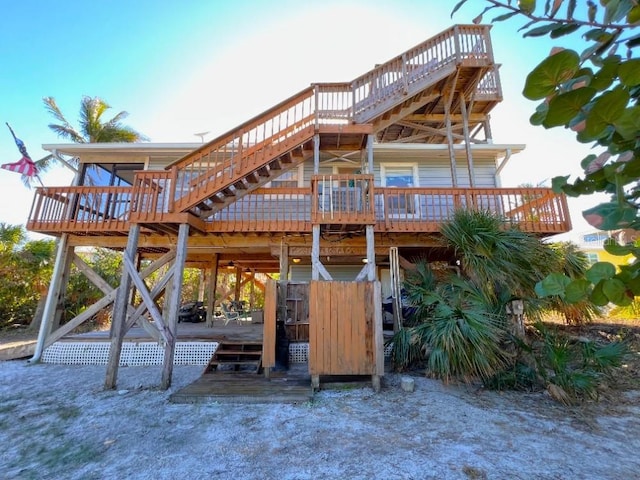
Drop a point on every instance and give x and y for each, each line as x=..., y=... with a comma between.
x=236, y=357
x=338, y=115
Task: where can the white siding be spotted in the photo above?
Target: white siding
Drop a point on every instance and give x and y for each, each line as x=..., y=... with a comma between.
x=432, y=172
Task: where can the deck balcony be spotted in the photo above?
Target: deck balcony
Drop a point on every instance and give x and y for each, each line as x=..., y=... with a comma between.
x=338, y=200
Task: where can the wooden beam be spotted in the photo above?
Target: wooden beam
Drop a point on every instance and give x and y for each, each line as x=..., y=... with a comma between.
x=467, y=141
x=53, y=294
x=120, y=311
x=447, y=111
x=284, y=261
x=93, y=277
x=81, y=318
x=336, y=251
x=151, y=306
x=211, y=286
x=440, y=118
x=407, y=110
x=174, y=306
x=437, y=131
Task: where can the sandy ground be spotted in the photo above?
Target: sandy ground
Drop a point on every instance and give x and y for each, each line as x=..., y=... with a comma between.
x=57, y=422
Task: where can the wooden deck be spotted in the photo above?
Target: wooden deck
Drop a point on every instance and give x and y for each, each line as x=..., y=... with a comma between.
x=291, y=386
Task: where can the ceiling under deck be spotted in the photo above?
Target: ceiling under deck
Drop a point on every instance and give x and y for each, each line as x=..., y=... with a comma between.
x=427, y=122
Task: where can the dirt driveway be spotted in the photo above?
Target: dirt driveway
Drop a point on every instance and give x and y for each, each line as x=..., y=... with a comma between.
x=57, y=422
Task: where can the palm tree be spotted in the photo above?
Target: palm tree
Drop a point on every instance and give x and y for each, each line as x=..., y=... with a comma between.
x=92, y=128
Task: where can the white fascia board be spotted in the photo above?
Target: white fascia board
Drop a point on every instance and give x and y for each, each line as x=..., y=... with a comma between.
x=76, y=149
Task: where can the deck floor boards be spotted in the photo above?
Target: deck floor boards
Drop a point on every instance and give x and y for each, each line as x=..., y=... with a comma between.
x=292, y=386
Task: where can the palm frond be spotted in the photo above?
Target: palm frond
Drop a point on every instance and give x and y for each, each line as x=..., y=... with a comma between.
x=64, y=129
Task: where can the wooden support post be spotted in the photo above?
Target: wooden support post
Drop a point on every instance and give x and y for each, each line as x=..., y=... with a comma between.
x=167, y=296
x=171, y=313
x=315, y=253
x=378, y=340
x=212, y=283
x=120, y=305
x=316, y=154
x=64, y=282
x=202, y=281
x=238, y=284
x=132, y=292
x=467, y=140
x=371, y=253
x=447, y=115
x=52, y=296
x=370, y=154
x=487, y=130
x=284, y=261
x=452, y=153
x=252, y=290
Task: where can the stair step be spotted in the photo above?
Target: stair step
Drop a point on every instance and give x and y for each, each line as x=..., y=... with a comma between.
x=236, y=357
x=234, y=362
x=239, y=352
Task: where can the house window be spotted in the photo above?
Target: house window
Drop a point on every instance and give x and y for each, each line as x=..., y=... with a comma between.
x=404, y=204
x=109, y=174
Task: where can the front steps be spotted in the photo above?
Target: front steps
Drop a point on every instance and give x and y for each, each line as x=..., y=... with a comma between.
x=236, y=357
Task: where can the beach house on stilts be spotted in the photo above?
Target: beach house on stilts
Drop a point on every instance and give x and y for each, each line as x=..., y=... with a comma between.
x=332, y=189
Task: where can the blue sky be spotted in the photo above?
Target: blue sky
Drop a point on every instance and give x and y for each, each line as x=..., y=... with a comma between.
x=183, y=67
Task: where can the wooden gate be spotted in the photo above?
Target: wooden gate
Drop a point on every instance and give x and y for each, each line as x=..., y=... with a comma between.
x=345, y=330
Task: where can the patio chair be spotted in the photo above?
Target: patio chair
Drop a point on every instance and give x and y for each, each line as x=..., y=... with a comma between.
x=230, y=315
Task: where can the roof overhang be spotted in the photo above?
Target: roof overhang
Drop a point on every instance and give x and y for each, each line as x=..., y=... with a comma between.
x=177, y=150
x=142, y=149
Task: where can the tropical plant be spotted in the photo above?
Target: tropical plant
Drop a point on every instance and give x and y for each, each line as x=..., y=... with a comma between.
x=24, y=268
x=460, y=328
x=571, y=370
x=595, y=93
x=573, y=264
x=504, y=262
x=11, y=236
x=92, y=128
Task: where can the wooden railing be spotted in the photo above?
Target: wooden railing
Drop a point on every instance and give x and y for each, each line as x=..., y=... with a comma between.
x=342, y=199
x=534, y=210
x=425, y=63
x=80, y=209
x=266, y=210
x=152, y=194
x=489, y=86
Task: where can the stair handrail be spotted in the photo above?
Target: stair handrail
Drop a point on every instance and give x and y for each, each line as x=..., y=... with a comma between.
x=223, y=158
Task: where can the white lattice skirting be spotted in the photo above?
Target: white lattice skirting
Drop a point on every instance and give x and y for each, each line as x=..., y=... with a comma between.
x=145, y=353
x=133, y=353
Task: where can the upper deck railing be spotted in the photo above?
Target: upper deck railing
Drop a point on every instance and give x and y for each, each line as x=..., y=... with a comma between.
x=340, y=199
